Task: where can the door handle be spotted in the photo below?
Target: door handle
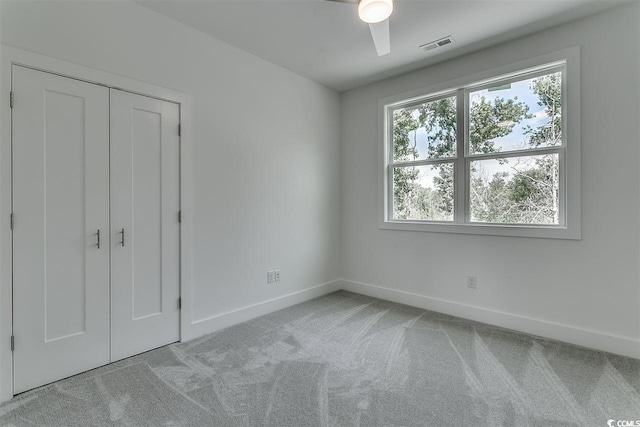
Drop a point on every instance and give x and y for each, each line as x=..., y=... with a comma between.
x=122, y=239
x=98, y=238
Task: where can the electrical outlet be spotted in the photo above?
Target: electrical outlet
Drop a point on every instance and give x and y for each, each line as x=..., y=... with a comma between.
x=277, y=275
x=270, y=276
x=472, y=282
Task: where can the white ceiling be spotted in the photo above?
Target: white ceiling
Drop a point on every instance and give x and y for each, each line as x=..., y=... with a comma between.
x=326, y=42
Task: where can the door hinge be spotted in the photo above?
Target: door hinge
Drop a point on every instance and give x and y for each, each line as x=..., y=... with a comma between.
x=13, y=343
x=180, y=216
x=179, y=130
x=180, y=303
x=13, y=221
x=11, y=99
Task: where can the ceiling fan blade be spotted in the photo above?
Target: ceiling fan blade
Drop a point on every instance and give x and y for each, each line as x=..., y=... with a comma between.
x=381, y=37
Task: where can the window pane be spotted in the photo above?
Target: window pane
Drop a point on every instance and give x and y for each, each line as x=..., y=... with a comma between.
x=427, y=131
x=516, y=116
x=516, y=190
x=423, y=192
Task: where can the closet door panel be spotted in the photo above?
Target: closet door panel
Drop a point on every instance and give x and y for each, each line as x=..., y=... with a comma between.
x=61, y=200
x=145, y=204
x=146, y=214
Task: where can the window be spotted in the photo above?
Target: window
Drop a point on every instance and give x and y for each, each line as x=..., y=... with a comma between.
x=487, y=156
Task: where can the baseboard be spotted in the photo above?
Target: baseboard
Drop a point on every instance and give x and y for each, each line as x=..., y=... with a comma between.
x=233, y=317
x=586, y=338
x=583, y=337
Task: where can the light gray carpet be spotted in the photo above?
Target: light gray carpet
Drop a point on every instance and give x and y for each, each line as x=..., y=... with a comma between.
x=346, y=360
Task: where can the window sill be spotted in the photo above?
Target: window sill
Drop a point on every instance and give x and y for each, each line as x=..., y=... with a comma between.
x=541, y=232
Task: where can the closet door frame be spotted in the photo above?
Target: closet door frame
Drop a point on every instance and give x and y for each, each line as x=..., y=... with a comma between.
x=10, y=56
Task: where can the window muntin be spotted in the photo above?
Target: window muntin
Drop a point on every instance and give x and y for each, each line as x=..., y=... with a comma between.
x=513, y=135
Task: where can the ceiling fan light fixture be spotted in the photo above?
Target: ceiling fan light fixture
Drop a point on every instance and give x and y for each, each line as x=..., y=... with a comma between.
x=374, y=11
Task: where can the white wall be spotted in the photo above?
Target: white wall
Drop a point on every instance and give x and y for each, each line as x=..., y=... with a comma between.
x=592, y=284
x=265, y=144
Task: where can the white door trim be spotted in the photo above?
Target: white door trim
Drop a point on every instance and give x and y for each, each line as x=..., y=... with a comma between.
x=9, y=56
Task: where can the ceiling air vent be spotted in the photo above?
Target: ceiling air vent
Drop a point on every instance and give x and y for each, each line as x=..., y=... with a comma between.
x=436, y=44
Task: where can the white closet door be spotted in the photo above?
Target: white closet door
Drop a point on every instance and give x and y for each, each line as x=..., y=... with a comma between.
x=144, y=223
x=61, y=200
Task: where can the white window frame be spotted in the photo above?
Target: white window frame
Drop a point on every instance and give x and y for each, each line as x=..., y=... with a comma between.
x=567, y=61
